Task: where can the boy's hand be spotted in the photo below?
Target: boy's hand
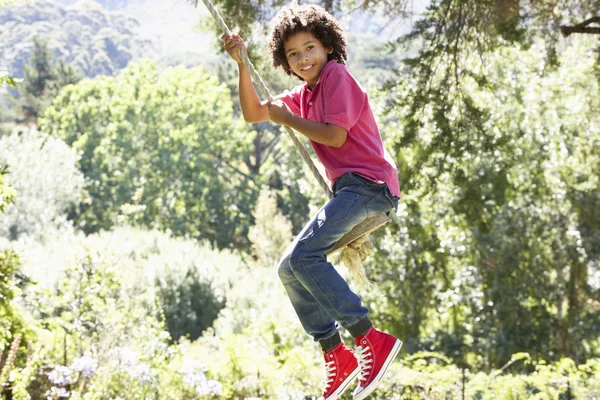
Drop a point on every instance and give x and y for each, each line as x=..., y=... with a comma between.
x=233, y=43
x=279, y=112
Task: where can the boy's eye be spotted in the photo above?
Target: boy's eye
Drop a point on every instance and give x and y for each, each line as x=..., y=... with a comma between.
x=291, y=54
x=311, y=47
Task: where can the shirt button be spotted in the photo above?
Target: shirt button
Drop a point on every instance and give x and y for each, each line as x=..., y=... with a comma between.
x=310, y=103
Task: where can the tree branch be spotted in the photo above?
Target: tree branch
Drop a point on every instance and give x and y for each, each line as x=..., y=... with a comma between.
x=581, y=27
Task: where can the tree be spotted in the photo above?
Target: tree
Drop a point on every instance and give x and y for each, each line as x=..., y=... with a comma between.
x=42, y=82
x=496, y=230
x=158, y=150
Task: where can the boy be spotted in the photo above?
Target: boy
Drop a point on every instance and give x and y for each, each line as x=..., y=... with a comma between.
x=333, y=111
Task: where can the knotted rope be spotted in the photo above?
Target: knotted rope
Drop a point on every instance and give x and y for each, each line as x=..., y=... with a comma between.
x=355, y=252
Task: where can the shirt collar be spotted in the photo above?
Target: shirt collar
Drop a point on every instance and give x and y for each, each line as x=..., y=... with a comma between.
x=327, y=66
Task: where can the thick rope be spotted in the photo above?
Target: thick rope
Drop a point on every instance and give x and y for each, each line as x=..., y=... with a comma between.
x=354, y=253
x=265, y=91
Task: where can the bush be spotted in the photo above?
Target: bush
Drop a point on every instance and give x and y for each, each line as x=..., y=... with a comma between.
x=272, y=231
x=189, y=305
x=101, y=337
x=15, y=333
x=47, y=183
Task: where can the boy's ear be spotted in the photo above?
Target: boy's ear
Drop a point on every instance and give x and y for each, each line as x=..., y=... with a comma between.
x=329, y=50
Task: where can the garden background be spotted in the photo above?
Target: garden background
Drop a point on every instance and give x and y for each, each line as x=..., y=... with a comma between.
x=142, y=219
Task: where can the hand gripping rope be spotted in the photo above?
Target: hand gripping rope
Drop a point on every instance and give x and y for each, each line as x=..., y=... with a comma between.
x=354, y=245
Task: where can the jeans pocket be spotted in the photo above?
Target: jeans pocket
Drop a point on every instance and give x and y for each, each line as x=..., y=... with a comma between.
x=340, y=207
x=382, y=203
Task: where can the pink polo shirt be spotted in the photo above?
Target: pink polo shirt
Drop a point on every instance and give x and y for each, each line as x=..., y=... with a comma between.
x=338, y=99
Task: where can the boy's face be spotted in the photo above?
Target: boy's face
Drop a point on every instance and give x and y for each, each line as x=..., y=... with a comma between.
x=306, y=56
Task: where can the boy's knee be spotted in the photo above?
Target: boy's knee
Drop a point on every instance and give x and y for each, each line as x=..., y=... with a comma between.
x=285, y=269
x=295, y=260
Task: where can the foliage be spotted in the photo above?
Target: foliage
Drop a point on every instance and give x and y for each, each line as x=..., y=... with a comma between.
x=42, y=82
x=47, y=184
x=115, y=346
x=271, y=233
x=8, y=80
x=188, y=304
x=495, y=228
x=419, y=378
x=16, y=333
x=101, y=340
x=7, y=193
x=158, y=150
x=101, y=337
x=247, y=17
x=11, y=284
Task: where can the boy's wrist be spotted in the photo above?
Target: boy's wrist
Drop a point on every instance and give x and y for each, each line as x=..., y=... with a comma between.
x=288, y=119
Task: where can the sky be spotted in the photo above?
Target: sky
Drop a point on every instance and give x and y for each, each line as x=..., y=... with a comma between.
x=174, y=24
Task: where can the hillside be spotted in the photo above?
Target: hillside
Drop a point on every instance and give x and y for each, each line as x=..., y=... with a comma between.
x=97, y=41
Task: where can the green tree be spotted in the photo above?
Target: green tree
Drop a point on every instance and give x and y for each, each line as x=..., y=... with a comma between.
x=43, y=80
x=158, y=150
x=498, y=175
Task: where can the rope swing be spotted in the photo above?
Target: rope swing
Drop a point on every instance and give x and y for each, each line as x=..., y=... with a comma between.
x=354, y=245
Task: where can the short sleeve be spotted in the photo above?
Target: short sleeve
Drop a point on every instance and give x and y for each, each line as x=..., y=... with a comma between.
x=291, y=98
x=343, y=99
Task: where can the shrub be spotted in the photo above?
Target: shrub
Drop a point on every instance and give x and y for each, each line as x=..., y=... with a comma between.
x=47, y=183
x=189, y=305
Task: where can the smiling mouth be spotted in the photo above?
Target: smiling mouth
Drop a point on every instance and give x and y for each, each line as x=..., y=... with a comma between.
x=307, y=68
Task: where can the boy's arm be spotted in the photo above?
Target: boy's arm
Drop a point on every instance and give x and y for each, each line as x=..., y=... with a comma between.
x=252, y=108
x=327, y=134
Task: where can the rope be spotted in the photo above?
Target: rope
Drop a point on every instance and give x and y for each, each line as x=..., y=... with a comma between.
x=265, y=91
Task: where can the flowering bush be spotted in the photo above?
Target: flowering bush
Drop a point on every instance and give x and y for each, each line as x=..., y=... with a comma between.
x=47, y=184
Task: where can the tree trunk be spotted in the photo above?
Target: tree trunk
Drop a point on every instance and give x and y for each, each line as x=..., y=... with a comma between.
x=505, y=10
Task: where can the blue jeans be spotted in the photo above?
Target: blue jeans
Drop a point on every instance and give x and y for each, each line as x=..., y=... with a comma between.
x=318, y=293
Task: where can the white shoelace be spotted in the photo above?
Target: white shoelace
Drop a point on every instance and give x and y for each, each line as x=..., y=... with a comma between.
x=330, y=367
x=365, y=361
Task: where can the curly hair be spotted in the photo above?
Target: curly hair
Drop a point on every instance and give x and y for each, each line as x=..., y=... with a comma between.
x=307, y=18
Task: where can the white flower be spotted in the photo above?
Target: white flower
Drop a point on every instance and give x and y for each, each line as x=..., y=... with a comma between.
x=55, y=392
x=61, y=376
x=209, y=388
x=141, y=372
x=127, y=356
x=86, y=365
x=194, y=378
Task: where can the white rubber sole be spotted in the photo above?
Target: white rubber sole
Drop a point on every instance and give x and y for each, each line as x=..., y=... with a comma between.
x=340, y=391
x=359, y=395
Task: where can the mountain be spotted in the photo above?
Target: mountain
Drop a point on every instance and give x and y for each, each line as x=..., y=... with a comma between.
x=84, y=34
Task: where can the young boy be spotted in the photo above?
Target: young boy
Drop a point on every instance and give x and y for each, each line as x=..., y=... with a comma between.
x=333, y=111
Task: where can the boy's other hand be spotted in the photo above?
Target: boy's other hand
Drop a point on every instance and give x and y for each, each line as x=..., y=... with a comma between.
x=233, y=43
x=279, y=112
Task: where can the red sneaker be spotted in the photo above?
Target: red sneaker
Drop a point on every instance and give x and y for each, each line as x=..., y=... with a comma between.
x=342, y=368
x=375, y=351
